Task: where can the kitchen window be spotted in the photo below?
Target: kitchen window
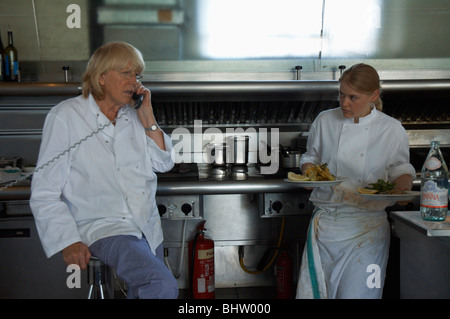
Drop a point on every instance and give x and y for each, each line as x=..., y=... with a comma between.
x=237, y=29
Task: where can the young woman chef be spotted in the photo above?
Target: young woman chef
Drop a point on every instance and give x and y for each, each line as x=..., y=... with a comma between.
x=347, y=247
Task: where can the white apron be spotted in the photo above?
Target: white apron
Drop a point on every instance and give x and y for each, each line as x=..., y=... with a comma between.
x=345, y=255
x=346, y=251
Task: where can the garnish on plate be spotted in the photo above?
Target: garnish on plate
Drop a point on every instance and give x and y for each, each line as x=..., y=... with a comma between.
x=380, y=187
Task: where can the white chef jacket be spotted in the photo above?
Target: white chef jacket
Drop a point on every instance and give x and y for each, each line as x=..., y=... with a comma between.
x=347, y=233
x=103, y=187
x=361, y=153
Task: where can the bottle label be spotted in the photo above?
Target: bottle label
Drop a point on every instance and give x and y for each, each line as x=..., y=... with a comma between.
x=15, y=66
x=433, y=163
x=432, y=196
x=7, y=65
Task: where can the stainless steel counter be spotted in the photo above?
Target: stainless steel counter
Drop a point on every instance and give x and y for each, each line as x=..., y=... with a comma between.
x=190, y=187
x=226, y=180
x=424, y=256
x=200, y=179
x=428, y=228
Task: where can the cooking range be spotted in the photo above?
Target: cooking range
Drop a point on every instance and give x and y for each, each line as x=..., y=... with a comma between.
x=229, y=179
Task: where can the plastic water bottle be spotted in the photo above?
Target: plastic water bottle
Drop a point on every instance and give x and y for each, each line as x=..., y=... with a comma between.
x=434, y=186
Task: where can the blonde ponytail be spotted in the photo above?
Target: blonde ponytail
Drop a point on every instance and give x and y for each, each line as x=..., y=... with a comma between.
x=378, y=104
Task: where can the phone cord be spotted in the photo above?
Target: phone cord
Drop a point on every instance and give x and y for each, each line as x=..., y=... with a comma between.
x=25, y=176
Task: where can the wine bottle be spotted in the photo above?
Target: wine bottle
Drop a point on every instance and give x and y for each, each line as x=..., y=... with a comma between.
x=2, y=59
x=11, y=60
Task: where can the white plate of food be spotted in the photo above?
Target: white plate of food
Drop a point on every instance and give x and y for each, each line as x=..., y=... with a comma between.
x=315, y=176
x=315, y=183
x=406, y=196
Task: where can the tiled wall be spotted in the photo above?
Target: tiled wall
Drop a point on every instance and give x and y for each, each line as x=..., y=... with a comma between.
x=41, y=32
x=46, y=43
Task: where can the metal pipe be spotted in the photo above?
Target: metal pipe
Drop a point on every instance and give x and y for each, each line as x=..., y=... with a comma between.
x=66, y=73
x=298, y=69
x=39, y=89
x=213, y=187
x=263, y=88
x=200, y=187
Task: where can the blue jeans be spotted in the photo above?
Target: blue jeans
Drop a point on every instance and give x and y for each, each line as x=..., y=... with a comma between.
x=145, y=273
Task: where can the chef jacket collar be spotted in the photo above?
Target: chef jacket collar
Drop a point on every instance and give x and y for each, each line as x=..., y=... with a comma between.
x=101, y=118
x=363, y=120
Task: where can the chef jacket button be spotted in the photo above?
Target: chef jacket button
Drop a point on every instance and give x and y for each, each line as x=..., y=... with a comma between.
x=362, y=154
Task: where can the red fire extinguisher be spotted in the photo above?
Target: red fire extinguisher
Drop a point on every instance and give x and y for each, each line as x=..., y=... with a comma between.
x=201, y=265
x=284, y=276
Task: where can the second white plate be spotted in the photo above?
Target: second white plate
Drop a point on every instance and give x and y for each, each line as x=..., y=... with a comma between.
x=392, y=197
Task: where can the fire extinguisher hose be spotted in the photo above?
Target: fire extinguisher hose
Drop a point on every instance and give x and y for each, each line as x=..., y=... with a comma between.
x=191, y=272
x=253, y=272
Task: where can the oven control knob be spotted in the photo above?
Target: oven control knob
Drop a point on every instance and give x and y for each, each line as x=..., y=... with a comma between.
x=277, y=206
x=161, y=209
x=186, y=208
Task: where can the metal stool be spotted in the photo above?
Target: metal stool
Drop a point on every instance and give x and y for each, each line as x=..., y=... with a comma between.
x=98, y=277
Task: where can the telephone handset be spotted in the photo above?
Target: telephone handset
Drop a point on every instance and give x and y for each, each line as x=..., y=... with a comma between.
x=137, y=100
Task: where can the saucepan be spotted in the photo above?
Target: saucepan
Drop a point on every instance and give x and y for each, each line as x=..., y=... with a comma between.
x=239, y=149
x=290, y=158
x=216, y=154
x=234, y=152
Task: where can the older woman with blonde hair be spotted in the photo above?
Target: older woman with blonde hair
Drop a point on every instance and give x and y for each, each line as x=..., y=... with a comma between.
x=96, y=191
x=347, y=247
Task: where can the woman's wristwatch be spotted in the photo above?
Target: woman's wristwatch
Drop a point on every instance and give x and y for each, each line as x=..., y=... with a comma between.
x=152, y=128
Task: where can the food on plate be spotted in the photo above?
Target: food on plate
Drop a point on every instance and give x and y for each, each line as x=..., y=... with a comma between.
x=313, y=173
x=380, y=187
x=367, y=191
x=319, y=173
x=297, y=177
